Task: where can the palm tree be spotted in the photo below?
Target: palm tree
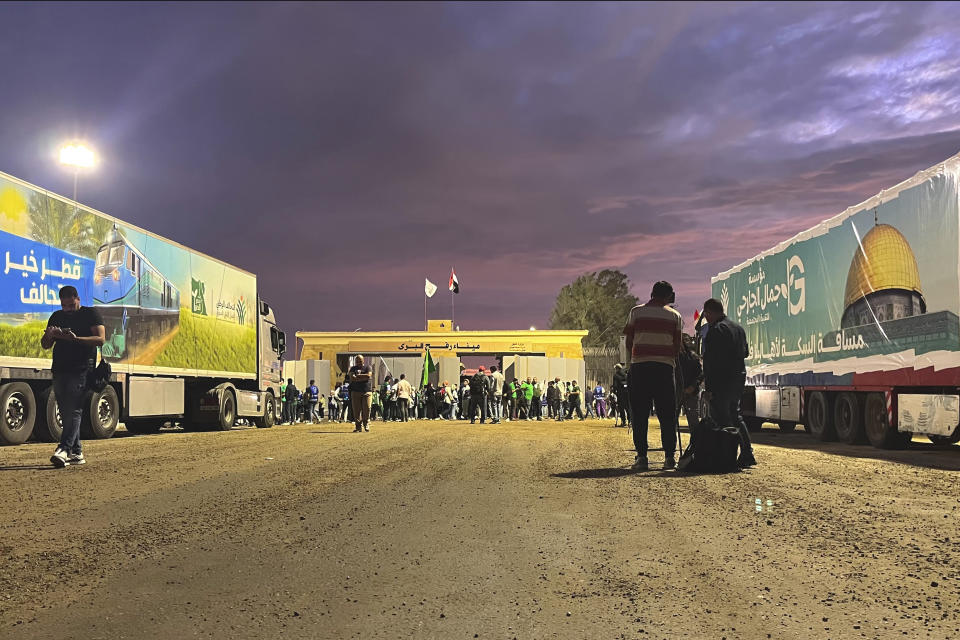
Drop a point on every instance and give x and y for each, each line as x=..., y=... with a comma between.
x=59, y=224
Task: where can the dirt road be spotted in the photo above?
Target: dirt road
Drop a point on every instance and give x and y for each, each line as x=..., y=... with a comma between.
x=447, y=530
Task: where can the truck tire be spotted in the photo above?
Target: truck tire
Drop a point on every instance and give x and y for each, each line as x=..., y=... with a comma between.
x=269, y=417
x=786, y=426
x=48, y=427
x=880, y=432
x=753, y=423
x=144, y=425
x=937, y=440
x=101, y=414
x=227, y=415
x=819, y=414
x=848, y=418
x=19, y=412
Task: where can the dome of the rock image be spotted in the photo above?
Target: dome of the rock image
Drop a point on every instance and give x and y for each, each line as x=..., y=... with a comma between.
x=883, y=282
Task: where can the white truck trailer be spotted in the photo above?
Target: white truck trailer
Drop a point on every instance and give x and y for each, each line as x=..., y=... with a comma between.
x=853, y=324
x=187, y=336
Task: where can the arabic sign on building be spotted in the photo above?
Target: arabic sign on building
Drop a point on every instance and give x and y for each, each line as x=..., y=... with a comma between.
x=878, y=283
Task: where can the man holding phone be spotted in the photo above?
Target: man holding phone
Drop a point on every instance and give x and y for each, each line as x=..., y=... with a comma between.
x=75, y=332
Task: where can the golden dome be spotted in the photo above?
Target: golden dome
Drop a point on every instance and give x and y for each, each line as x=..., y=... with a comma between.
x=886, y=262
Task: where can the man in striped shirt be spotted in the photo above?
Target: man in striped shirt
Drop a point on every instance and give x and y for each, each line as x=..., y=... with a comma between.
x=654, y=336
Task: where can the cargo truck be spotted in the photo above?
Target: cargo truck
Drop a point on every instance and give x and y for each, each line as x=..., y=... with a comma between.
x=187, y=336
x=853, y=324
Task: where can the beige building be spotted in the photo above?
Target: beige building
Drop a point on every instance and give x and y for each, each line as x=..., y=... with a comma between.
x=446, y=346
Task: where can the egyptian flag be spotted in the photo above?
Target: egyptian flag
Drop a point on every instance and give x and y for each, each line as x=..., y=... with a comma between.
x=454, y=283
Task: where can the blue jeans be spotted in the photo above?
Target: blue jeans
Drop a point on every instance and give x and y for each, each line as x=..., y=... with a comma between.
x=70, y=388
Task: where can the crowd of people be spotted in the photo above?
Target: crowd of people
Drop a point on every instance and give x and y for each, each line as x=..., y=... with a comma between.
x=487, y=394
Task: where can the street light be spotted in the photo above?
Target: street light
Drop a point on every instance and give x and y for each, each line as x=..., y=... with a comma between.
x=533, y=328
x=77, y=155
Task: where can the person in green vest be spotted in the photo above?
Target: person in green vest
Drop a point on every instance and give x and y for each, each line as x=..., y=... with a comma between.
x=283, y=400
x=526, y=389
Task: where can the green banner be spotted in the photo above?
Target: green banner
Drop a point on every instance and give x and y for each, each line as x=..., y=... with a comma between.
x=878, y=284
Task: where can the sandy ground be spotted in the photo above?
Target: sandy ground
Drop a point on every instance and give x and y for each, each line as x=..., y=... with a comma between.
x=447, y=530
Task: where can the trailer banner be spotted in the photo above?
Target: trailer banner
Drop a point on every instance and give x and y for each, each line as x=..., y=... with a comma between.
x=164, y=306
x=875, y=288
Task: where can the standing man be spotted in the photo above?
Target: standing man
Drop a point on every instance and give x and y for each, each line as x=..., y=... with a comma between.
x=574, y=401
x=619, y=388
x=292, y=395
x=478, y=395
x=361, y=395
x=724, y=373
x=404, y=394
x=599, y=399
x=691, y=373
x=75, y=333
x=653, y=332
x=536, y=410
x=313, y=397
x=496, y=378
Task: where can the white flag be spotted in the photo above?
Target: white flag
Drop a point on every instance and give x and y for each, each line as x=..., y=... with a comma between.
x=429, y=288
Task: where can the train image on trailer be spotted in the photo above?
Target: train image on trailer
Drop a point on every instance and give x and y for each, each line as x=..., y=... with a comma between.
x=137, y=302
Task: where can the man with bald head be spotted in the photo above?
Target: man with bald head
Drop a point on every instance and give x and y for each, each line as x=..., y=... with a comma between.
x=361, y=395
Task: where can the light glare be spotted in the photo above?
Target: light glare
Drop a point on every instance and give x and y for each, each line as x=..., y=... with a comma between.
x=77, y=155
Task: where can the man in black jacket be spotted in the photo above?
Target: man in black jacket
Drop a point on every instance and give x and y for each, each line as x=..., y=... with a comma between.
x=725, y=374
x=691, y=376
x=619, y=388
x=478, y=395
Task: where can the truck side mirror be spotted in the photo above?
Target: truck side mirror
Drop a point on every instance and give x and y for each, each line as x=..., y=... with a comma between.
x=282, y=343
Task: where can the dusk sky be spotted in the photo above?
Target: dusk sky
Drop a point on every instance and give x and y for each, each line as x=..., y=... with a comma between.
x=343, y=153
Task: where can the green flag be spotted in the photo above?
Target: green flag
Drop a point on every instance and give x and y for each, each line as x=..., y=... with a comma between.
x=428, y=367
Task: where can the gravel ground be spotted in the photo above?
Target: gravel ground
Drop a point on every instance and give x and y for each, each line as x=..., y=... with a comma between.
x=450, y=530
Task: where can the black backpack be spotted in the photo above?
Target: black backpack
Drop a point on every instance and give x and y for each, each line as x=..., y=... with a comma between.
x=712, y=449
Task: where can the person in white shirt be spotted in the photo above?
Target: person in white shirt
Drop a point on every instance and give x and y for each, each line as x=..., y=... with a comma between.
x=404, y=393
x=497, y=380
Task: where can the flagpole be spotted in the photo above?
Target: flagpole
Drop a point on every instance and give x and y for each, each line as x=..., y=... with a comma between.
x=453, y=311
x=424, y=310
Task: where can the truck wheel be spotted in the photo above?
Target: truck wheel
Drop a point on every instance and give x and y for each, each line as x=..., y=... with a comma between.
x=818, y=416
x=144, y=425
x=228, y=411
x=101, y=414
x=269, y=417
x=753, y=423
x=938, y=440
x=880, y=432
x=846, y=418
x=19, y=412
x=787, y=427
x=48, y=427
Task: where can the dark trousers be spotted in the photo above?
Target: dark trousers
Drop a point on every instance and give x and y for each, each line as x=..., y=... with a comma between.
x=536, y=409
x=573, y=404
x=623, y=405
x=478, y=402
x=70, y=388
x=652, y=384
x=725, y=410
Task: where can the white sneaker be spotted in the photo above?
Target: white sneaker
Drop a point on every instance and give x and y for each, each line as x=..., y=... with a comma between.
x=366, y=428
x=76, y=458
x=60, y=457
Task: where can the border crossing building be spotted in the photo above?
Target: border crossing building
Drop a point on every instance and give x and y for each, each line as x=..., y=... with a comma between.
x=542, y=354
